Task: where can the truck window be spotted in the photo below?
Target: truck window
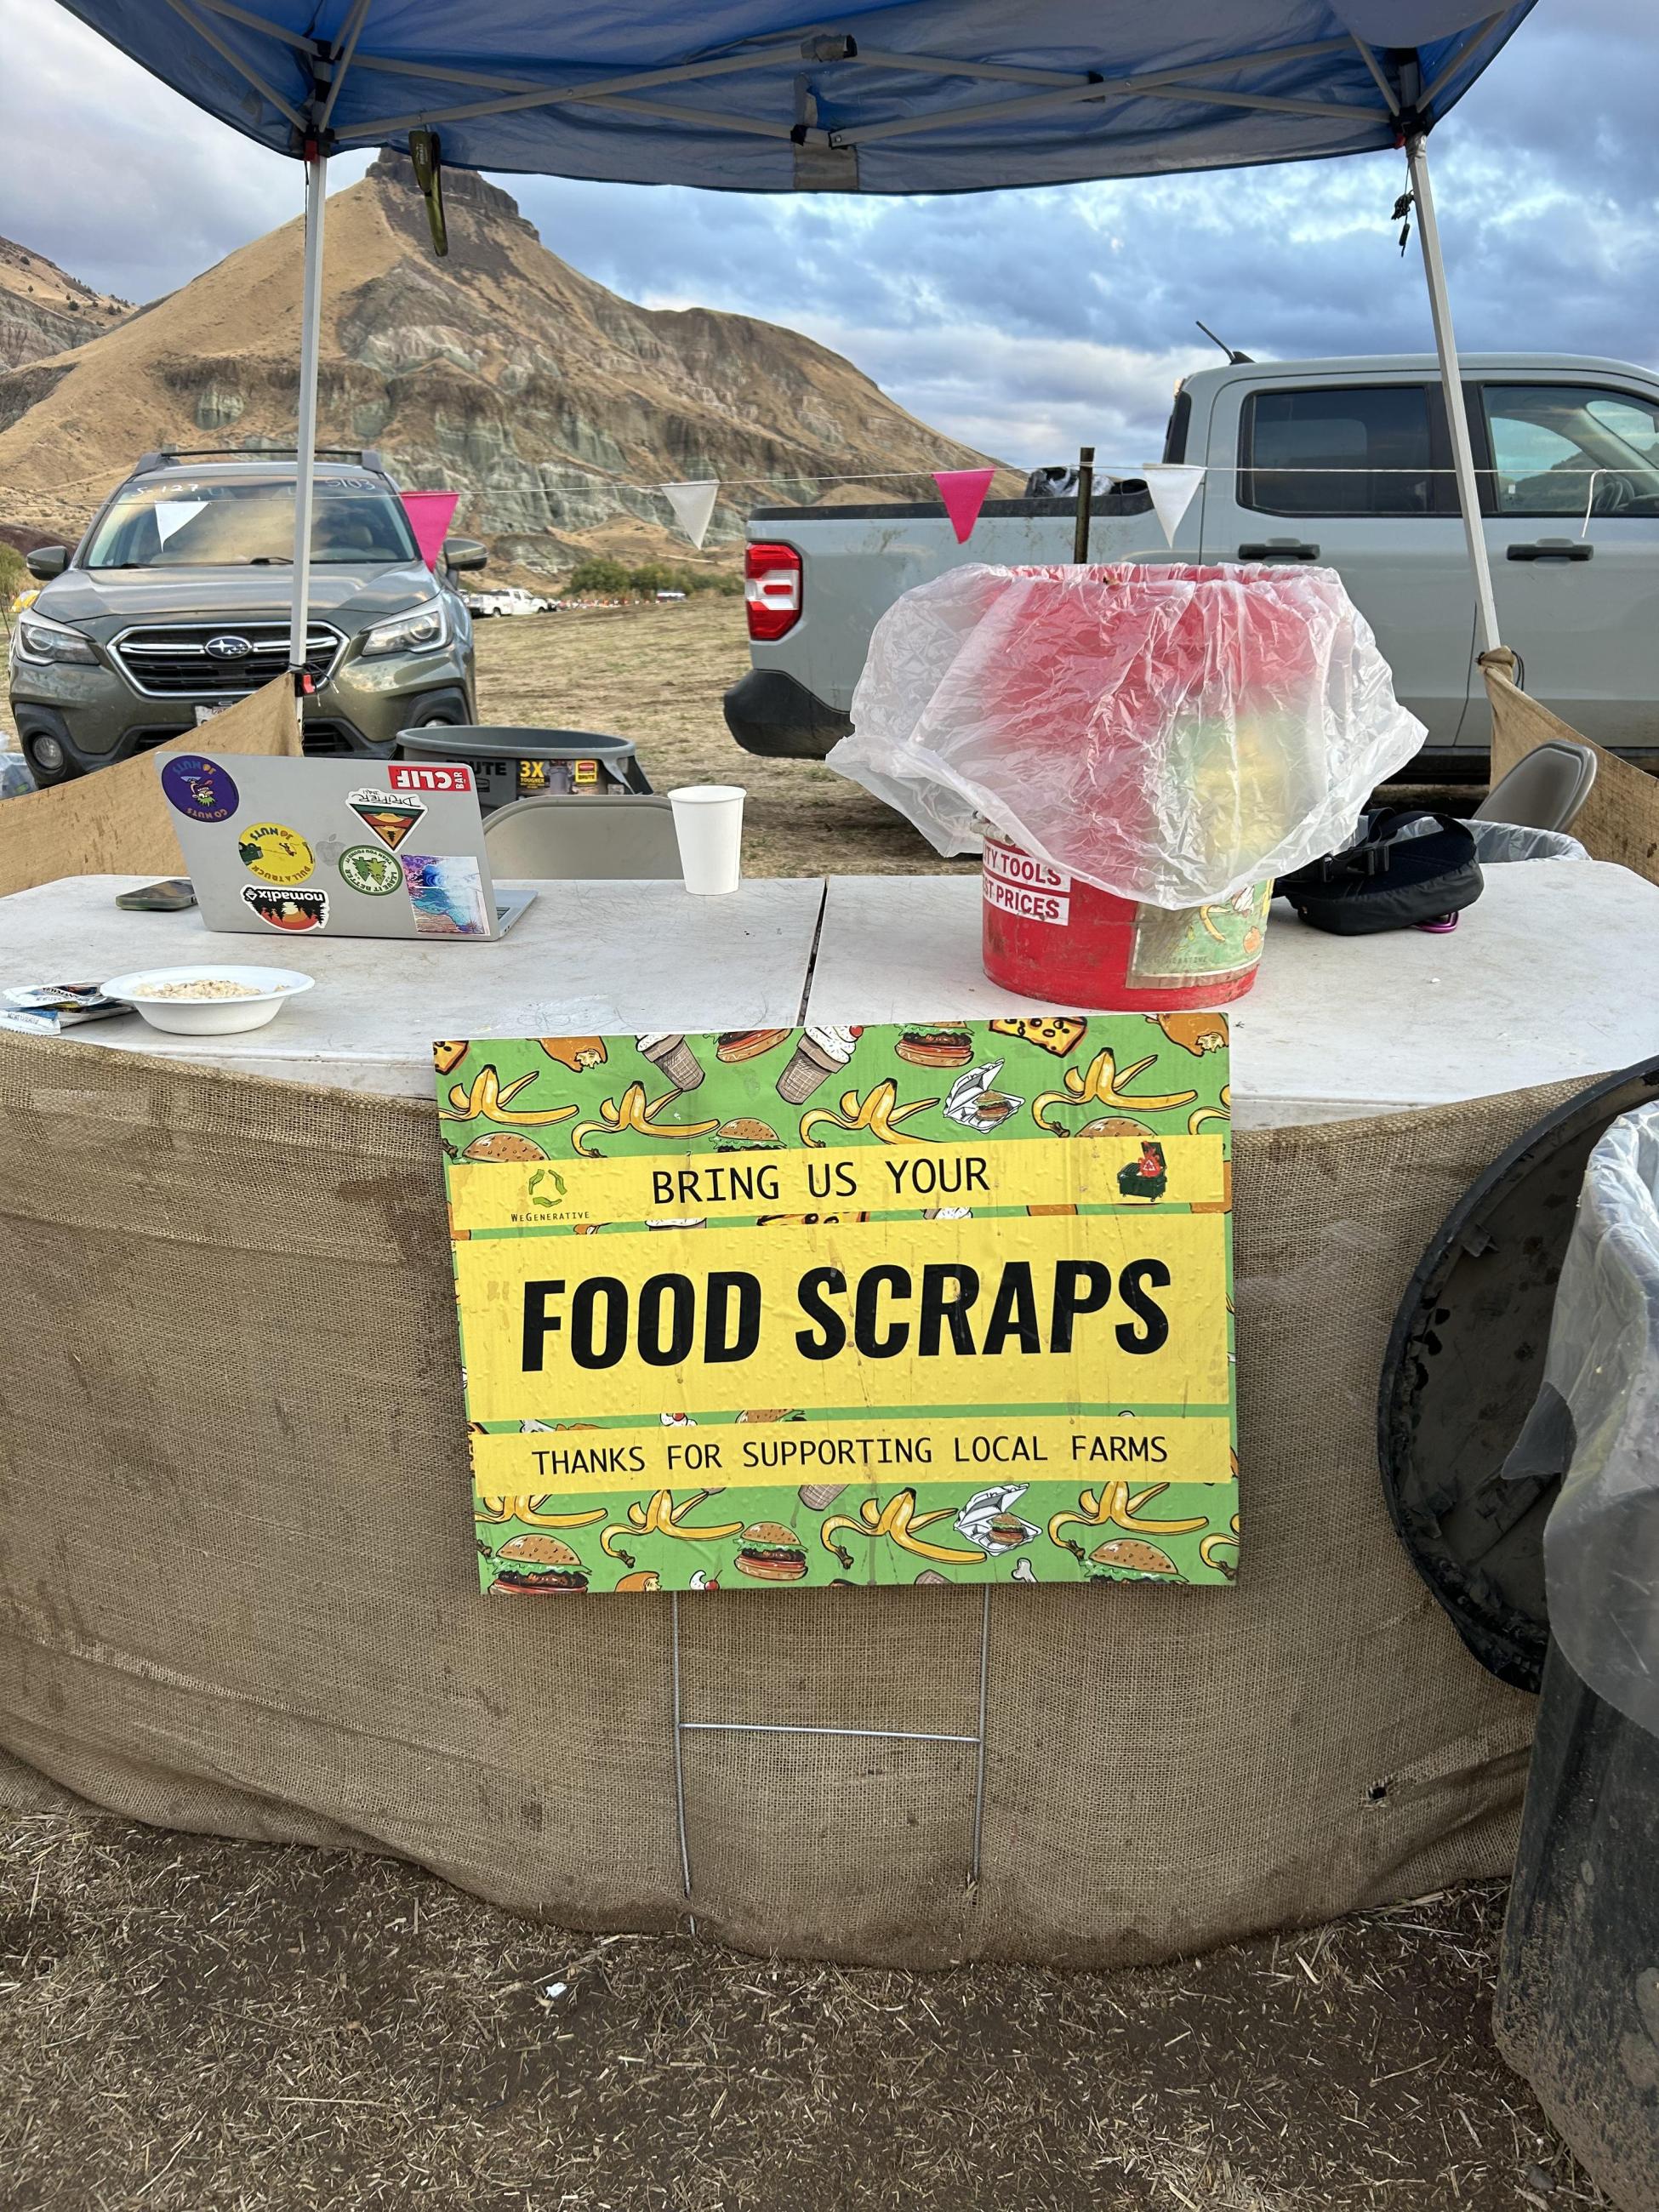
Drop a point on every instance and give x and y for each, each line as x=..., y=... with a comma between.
x=1352, y=450
x=1551, y=443
x=1180, y=421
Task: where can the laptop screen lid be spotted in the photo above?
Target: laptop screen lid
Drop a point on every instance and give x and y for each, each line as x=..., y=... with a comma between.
x=349, y=847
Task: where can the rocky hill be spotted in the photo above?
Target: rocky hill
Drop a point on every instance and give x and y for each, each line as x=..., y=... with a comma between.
x=44, y=311
x=500, y=372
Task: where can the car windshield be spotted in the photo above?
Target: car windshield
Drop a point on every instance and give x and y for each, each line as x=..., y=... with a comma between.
x=175, y=525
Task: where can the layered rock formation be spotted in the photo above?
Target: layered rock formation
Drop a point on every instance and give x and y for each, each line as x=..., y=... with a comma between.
x=44, y=311
x=499, y=372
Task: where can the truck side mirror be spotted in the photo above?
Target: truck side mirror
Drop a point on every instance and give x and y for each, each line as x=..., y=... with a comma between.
x=46, y=562
x=463, y=553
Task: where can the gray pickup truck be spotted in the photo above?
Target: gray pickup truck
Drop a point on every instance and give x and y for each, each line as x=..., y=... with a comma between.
x=1345, y=463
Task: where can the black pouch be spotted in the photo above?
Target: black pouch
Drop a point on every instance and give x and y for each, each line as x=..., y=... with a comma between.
x=1386, y=881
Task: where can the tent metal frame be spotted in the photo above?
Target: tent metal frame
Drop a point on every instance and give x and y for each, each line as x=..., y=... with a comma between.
x=330, y=63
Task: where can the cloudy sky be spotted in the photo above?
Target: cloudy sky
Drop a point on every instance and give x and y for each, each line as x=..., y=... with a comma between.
x=1020, y=322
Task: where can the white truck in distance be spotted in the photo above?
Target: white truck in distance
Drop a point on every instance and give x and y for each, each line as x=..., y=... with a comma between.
x=1345, y=463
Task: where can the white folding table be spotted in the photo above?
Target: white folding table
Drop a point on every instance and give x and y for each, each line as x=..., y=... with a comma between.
x=1544, y=979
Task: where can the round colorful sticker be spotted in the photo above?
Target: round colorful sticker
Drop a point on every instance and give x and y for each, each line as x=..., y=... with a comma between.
x=372, y=869
x=275, y=854
x=202, y=789
x=294, y=911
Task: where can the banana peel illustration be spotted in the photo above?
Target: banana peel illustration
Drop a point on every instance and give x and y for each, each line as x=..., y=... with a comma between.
x=1104, y=1082
x=660, y=1516
x=899, y=1520
x=636, y=1113
x=1118, y=1507
x=1214, y=1543
x=528, y=1509
x=880, y=1114
x=488, y=1101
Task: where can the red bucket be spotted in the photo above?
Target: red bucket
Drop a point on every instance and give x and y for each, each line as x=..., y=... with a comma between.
x=1049, y=936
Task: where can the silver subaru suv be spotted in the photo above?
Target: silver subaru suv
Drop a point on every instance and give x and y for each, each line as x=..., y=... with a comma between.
x=174, y=604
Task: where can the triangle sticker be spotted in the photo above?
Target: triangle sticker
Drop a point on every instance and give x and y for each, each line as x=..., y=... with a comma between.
x=693, y=505
x=391, y=823
x=1171, y=486
x=963, y=493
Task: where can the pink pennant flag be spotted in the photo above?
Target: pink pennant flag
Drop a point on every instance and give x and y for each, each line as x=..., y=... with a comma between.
x=963, y=493
x=430, y=513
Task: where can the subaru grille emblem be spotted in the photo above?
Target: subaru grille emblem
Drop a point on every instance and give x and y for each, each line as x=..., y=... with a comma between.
x=229, y=646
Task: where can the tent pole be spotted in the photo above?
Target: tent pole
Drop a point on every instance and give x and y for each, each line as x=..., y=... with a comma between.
x=310, y=316
x=1451, y=378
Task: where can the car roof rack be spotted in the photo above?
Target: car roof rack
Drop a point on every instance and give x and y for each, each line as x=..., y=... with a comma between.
x=367, y=455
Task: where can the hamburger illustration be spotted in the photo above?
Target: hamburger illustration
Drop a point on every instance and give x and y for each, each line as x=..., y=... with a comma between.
x=748, y=1044
x=1131, y=1556
x=821, y=1053
x=670, y=1051
x=539, y=1566
x=1004, y=1531
x=770, y=1553
x=503, y=1144
x=948, y=1046
x=743, y=1133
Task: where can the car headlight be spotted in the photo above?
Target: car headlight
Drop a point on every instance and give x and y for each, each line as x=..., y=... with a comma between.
x=423, y=630
x=40, y=639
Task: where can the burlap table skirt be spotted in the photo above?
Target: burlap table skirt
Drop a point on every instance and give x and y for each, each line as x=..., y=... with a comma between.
x=237, y=1588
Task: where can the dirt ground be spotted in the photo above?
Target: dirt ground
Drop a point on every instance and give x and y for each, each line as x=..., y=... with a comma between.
x=190, y=2026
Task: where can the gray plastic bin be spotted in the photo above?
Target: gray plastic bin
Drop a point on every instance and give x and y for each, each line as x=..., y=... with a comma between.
x=510, y=763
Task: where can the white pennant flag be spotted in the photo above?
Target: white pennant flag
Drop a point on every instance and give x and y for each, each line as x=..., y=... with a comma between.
x=1171, y=486
x=693, y=505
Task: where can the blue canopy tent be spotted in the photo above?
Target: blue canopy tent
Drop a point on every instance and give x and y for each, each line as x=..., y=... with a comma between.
x=762, y=95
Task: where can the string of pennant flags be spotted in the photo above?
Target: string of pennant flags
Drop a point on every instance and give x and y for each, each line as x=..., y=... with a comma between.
x=1170, y=485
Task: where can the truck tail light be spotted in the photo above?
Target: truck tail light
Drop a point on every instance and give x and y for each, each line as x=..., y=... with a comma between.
x=771, y=589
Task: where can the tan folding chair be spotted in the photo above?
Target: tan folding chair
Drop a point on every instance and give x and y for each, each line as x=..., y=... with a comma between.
x=1545, y=790
x=570, y=840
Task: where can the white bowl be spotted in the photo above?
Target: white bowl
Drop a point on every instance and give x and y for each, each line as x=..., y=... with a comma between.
x=209, y=1017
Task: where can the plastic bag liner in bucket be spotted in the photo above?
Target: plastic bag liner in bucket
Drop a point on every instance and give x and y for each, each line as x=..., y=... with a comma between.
x=1171, y=737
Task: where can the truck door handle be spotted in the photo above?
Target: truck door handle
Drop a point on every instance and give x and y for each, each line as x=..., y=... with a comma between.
x=1553, y=549
x=1279, y=548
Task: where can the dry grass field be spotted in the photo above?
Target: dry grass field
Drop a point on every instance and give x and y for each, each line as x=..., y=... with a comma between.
x=656, y=674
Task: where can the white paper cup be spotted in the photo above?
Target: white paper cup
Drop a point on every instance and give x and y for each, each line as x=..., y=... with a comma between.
x=709, y=824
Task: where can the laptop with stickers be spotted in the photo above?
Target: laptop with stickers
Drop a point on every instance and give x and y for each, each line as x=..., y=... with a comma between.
x=337, y=847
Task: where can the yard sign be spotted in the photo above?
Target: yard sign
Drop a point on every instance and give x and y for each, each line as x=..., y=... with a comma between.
x=942, y=1303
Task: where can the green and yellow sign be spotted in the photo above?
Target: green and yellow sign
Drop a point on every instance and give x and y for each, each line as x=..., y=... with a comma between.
x=942, y=1303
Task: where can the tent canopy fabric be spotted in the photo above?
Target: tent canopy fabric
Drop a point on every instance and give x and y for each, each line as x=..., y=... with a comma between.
x=765, y=95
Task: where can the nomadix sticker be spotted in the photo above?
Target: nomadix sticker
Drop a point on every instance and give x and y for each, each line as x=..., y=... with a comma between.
x=291, y=911
x=389, y=814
